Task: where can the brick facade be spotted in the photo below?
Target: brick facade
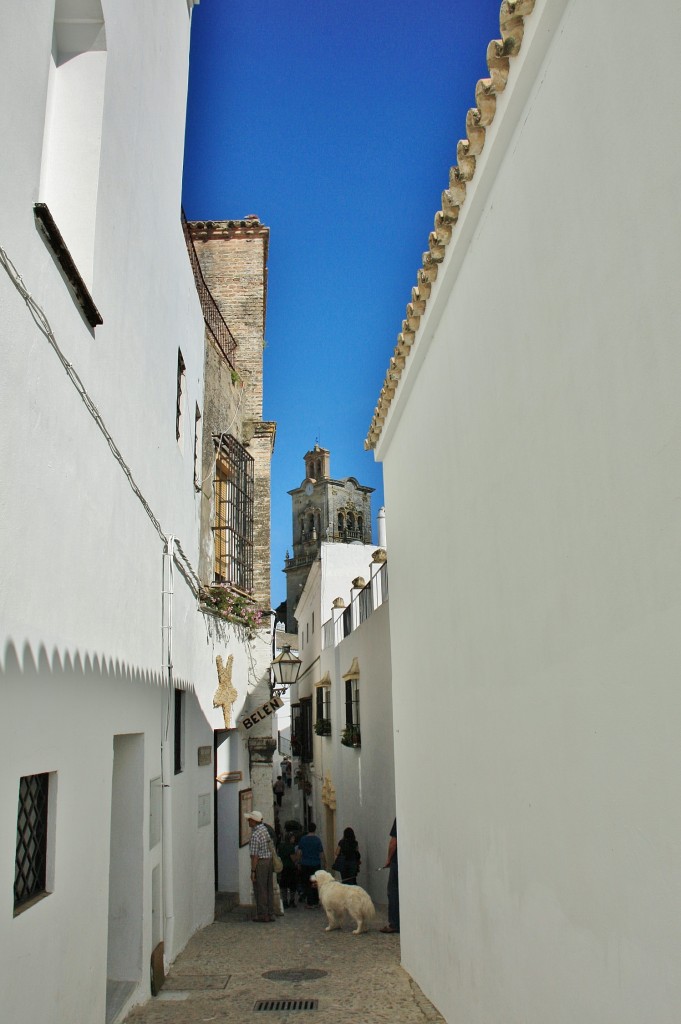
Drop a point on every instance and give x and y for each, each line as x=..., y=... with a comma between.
x=233, y=260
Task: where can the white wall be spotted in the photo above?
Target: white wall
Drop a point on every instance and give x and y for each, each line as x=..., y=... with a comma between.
x=81, y=603
x=363, y=778
x=537, y=770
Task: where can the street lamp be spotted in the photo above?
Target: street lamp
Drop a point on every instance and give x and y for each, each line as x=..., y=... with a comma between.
x=286, y=667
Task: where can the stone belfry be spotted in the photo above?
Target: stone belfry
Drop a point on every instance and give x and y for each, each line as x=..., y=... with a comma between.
x=324, y=510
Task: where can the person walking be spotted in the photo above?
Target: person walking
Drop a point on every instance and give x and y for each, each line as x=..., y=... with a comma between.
x=260, y=850
x=347, y=857
x=278, y=788
x=393, y=924
x=288, y=879
x=310, y=856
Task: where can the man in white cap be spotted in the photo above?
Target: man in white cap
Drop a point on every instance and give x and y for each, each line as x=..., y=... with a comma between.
x=260, y=849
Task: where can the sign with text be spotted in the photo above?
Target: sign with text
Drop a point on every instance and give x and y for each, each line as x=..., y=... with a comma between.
x=264, y=711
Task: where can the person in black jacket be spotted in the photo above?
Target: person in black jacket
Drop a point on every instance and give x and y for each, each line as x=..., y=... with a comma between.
x=348, y=857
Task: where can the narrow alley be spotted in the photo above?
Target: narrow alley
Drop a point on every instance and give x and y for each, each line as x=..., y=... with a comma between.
x=235, y=964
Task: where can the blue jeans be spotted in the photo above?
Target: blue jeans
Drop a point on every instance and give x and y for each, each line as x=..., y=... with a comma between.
x=394, y=897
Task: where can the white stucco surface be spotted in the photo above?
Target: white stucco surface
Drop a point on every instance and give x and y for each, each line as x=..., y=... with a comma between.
x=547, y=615
x=84, y=635
x=362, y=779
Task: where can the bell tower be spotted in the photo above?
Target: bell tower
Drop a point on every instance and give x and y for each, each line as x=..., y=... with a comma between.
x=324, y=511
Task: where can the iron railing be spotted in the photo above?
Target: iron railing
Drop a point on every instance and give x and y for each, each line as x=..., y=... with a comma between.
x=214, y=320
x=370, y=597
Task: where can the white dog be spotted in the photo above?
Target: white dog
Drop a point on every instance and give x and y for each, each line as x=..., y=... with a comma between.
x=338, y=899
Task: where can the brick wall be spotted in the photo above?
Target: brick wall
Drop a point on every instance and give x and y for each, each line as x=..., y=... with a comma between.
x=233, y=259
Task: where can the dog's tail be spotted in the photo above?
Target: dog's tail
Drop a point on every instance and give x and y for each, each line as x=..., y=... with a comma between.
x=369, y=908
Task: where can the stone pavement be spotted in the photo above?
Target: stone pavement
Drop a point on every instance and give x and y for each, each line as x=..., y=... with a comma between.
x=226, y=968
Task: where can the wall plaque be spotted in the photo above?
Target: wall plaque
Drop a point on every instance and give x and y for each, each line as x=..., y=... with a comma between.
x=205, y=755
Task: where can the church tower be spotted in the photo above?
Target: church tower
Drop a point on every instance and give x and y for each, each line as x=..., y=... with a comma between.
x=337, y=511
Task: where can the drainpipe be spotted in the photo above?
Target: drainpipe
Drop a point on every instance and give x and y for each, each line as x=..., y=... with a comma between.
x=166, y=756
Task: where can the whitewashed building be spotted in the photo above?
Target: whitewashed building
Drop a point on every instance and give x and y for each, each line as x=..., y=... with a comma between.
x=538, y=771
x=342, y=724
x=108, y=663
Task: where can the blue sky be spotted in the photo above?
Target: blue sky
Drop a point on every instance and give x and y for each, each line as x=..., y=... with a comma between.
x=336, y=123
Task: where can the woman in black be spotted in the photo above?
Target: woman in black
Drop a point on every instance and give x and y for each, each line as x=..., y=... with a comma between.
x=348, y=857
x=288, y=879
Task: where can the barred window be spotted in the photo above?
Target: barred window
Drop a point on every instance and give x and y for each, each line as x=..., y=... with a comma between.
x=233, y=519
x=180, y=395
x=178, y=747
x=30, y=871
x=323, y=696
x=351, y=702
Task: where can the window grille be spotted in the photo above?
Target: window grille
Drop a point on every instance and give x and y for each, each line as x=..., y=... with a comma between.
x=179, y=405
x=295, y=729
x=323, y=698
x=352, y=702
x=233, y=519
x=306, y=729
x=179, y=731
x=30, y=870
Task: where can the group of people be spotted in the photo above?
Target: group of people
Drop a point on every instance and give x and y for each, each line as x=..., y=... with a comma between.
x=303, y=855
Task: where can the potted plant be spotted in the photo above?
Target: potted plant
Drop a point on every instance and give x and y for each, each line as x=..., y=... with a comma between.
x=323, y=727
x=351, y=736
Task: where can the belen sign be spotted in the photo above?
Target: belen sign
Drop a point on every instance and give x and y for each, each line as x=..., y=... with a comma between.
x=264, y=711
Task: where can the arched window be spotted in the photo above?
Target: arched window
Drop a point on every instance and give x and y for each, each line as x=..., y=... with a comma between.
x=341, y=522
x=351, y=521
x=360, y=524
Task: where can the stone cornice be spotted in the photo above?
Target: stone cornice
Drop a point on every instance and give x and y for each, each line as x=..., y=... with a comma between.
x=499, y=53
x=248, y=228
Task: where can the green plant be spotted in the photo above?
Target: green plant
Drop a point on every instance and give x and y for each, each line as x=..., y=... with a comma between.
x=323, y=727
x=237, y=608
x=351, y=736
x=236, y=379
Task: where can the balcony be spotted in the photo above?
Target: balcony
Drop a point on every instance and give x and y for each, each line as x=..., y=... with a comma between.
x=213, y=318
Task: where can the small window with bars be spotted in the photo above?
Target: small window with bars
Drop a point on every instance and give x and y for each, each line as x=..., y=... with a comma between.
x=322, y=724
x=178, y=746
x=233, y=516
x=352, y=702
x=180, y=399
x=30, y=871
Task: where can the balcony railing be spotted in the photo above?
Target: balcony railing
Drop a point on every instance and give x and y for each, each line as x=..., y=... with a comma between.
x=214, y=320
x=369, y=598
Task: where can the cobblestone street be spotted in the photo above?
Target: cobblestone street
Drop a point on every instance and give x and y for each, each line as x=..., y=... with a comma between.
x=226, y=970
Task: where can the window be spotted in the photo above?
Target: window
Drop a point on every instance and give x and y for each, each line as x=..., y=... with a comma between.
x=306, y=729
x=179, y=404
x=69, y=174
x=295, y=729
x=197, y=448
x=179, y=730
x=323, y=700
x=313, y=623
x=233, y=518
x=352, y=702
x=31, y=867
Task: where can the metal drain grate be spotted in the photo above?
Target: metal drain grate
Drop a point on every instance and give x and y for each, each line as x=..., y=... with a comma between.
x=285, y=1005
